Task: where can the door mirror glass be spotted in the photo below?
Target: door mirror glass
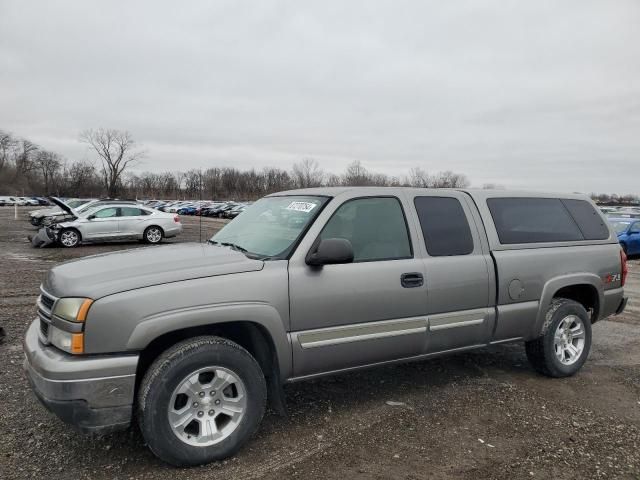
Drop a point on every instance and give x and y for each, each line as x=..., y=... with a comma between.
x=331, y=251
x=91, y=217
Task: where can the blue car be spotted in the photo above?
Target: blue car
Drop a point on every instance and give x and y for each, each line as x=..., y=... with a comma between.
x=191, y=210
x=628, y=230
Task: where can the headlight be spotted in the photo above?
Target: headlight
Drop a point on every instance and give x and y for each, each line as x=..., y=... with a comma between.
x=72, y=309
x=67, y=341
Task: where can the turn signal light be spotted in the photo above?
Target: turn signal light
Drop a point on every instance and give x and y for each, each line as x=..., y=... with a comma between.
x=77, y=343
x=176, y=219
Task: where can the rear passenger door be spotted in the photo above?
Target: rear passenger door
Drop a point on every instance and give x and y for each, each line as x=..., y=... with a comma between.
x=458, y=271
x=131, y=221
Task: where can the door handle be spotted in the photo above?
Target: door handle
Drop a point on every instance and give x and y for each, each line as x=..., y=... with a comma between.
x=411, y=280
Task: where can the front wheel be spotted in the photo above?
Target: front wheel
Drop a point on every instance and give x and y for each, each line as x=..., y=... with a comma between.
x=200, y=401
x=564, y=347
x=153, y=235
x=69, y=238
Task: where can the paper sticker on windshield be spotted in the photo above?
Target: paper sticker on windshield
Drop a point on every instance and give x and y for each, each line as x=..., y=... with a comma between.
x=305, y=207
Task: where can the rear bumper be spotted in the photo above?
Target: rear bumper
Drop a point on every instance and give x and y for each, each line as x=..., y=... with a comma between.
x=172, y=232
x=622, y=306
x=94, y=394
x=614, y=302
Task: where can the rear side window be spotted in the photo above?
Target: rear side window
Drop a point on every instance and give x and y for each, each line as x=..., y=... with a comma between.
x=375, y=226
x=444, y=225
x=533, y=220
x=132, y=212
x=590, y=223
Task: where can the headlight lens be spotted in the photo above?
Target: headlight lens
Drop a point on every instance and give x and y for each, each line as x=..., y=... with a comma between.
x=72, y=309
x=67, y=341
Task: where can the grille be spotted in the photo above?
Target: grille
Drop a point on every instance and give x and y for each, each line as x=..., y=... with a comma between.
x=47, y=301
x=44, y=328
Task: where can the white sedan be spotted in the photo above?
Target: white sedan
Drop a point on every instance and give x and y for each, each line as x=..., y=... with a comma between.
x=117, y=222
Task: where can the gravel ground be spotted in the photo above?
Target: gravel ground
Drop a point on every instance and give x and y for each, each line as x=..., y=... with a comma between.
x=478, y=415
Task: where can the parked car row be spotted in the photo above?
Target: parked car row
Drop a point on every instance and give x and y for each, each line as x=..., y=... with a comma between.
x=23, y=201
x=205, y=208
x=621, y=212
x=76, y=221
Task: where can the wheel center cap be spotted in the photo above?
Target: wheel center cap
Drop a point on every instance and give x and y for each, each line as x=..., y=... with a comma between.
x=206, y=401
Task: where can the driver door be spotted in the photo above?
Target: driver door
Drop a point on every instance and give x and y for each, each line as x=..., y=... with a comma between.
x=103, y=224
x=365, y=312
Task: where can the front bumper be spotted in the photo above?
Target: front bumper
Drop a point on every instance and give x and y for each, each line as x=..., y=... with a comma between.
x=93, y=393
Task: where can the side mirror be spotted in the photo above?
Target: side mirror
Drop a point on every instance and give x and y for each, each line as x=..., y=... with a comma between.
x=91, y=217
x=331, y=251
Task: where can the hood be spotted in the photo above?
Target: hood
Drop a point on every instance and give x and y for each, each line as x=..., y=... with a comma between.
x=100, y=275
x=62, y=205
x=44, y=212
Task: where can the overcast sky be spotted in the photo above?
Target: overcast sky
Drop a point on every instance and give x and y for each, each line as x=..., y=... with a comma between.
x=527, y=94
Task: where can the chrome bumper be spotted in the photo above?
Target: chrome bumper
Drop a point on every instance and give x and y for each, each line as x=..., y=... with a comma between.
x=93, y=393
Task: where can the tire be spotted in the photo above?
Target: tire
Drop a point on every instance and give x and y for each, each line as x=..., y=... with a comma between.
x=550, y=354
x=191, y=363
x=153, y=235
x=69, y=238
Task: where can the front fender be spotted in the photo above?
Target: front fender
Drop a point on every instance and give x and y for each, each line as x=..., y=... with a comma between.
x=552, y=286
x=260, y=313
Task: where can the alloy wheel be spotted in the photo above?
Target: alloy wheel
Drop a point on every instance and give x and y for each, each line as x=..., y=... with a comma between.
x=207, y=406
x=569, y=340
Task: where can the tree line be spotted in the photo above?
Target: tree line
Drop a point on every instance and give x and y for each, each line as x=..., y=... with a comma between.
x=27, y=168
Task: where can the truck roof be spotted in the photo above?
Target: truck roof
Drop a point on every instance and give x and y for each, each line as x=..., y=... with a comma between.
x=476, y=193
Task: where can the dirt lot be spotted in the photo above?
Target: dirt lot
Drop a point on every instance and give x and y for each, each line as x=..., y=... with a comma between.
x=473, y=416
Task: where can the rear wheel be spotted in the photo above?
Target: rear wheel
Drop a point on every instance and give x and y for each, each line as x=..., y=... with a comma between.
x=69, y=238
x=200, y=401
x=564, y=347
x=153, y=234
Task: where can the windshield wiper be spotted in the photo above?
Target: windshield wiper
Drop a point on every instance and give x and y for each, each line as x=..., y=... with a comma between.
x=234, y=246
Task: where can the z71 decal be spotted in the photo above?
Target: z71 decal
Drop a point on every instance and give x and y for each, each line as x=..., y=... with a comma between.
x=615, y=277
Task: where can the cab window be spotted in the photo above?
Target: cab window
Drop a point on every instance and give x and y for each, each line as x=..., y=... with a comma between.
x=375, y=226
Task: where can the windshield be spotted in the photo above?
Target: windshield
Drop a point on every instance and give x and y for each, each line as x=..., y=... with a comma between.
x=271, y=226
x=620, y=227
x=76, y=203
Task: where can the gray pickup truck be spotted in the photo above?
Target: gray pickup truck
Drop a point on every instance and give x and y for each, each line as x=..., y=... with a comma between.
x=194, y=338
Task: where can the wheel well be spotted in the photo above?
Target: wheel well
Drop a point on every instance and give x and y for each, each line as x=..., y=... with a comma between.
x=156, y=226
x=584, y=294
x=75, y=230
x=249, y=335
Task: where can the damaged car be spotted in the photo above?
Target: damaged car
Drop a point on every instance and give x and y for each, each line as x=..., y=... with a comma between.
x=44, y=215
x=110, y=221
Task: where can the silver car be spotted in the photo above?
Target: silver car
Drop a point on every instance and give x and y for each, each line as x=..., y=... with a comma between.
x=117, y=222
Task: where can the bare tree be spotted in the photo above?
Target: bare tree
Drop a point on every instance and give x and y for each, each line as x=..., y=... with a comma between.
x=449, y=179
x=419, y=178
x=356, y=175
x=307, y=173
x=48, y=163
x=117, y=150
x=24, y=158
x=7, y=145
